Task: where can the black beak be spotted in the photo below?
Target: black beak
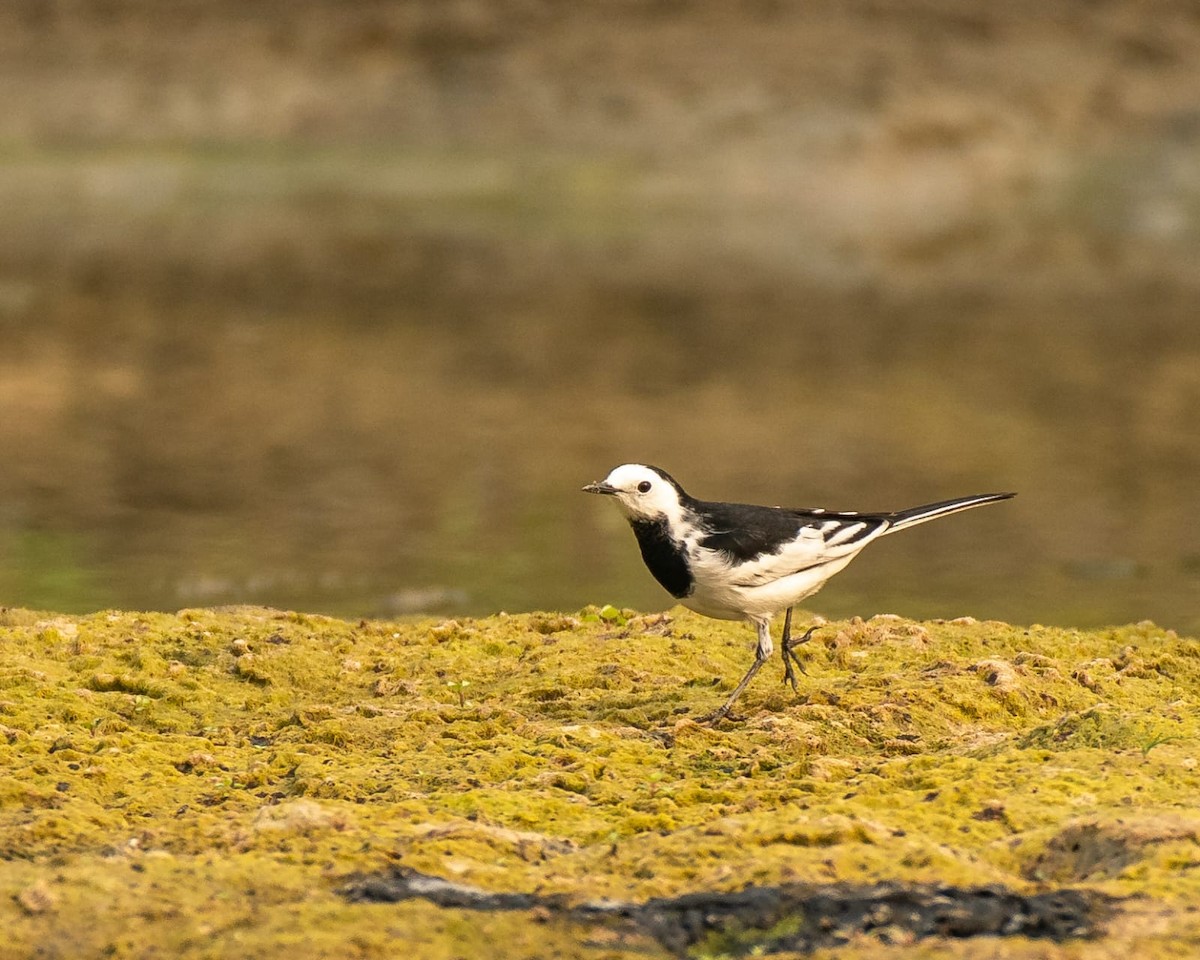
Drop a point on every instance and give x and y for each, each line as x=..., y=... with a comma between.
x=600, y=487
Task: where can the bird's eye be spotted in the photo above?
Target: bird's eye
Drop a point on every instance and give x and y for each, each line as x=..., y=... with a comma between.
x=644, y=486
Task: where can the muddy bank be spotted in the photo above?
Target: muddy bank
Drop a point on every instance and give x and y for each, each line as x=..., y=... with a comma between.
x=851, y=140
x=644, y=74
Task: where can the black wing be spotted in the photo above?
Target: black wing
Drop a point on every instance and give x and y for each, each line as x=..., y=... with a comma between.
x=745, y=532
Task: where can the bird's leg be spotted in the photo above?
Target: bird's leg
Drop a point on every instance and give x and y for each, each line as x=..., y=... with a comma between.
x=761, y=653
x=787, y=645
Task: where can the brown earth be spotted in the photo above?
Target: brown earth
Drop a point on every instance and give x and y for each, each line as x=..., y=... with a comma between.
x=651, y=75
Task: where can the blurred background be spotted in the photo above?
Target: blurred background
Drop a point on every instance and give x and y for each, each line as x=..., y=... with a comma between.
x=335, y=305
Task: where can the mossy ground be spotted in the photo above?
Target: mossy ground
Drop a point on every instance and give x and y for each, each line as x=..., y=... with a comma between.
x=200, y=784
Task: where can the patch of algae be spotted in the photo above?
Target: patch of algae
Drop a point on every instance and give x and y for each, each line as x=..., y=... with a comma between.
x=199, y=784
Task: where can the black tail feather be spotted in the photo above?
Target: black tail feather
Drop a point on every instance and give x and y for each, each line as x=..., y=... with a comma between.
x=931, y=511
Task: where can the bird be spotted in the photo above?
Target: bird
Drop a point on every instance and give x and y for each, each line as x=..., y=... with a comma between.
x=740, y=561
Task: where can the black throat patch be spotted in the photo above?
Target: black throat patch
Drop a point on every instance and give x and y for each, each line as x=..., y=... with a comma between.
x=664, y=557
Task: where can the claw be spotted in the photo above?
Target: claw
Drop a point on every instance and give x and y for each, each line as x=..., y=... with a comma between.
x=789, y=655
x=789, y=675
x=804, y=639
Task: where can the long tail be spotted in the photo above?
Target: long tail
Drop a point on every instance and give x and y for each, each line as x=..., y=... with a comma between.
x=931, y=511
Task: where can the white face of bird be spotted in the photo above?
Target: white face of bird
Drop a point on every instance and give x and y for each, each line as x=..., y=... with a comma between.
x=641, y=492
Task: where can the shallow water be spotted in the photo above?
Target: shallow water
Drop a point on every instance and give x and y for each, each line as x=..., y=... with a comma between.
x=273, y=383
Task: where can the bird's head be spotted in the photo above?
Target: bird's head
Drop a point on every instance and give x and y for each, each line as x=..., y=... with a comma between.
x=643, y=493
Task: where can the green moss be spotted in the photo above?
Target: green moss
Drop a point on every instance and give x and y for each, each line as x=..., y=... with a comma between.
x=171, y=782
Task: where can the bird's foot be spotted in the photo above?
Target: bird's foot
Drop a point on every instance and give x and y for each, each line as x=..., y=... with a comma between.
x=722, y=713
x=790, y=657
x=723, y=710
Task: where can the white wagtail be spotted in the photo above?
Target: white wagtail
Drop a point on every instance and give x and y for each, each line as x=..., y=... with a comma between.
x=737, y=561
